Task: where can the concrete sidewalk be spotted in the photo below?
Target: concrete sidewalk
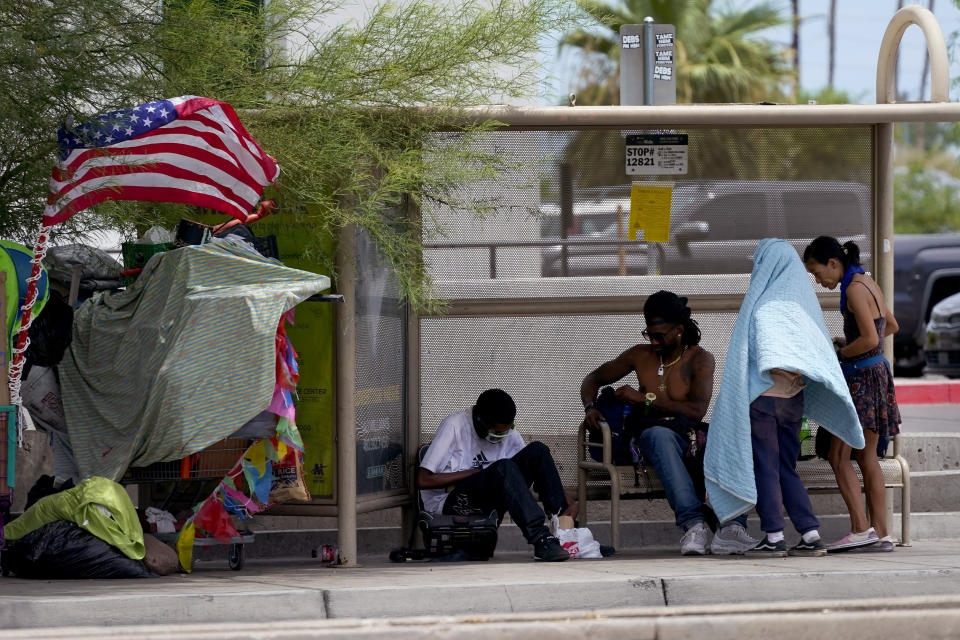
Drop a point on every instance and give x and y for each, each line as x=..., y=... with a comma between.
x=305, y=590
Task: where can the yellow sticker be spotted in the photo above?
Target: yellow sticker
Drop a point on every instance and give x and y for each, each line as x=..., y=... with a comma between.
x=650, y=211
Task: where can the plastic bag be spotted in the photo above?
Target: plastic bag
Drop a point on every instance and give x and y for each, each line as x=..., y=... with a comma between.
x=578, y=541
x=61, y=549
x=163, y=521
x=288, y=484
x=155, y=235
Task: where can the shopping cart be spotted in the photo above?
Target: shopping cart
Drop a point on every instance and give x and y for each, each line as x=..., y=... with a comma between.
x=189, y=477
x=8, y=455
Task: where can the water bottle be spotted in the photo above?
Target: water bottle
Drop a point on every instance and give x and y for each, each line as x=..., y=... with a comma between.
x=806, y=442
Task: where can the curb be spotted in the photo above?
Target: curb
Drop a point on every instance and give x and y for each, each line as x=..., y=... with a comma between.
x=545, y=591
x=927, y=391
x=910, y=617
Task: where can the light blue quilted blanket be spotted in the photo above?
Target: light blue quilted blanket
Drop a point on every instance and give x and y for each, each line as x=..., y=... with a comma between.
x=780, y=326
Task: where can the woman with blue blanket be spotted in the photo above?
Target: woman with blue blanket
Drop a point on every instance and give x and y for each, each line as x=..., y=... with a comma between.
x=866, y=321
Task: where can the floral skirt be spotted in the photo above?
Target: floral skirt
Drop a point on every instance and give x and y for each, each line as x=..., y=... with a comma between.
x=874, y=397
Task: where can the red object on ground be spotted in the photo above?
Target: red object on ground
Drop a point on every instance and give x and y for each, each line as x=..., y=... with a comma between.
x=928, y=391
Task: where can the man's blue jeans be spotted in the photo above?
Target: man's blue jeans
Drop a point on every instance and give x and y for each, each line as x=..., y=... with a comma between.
x=663, y=449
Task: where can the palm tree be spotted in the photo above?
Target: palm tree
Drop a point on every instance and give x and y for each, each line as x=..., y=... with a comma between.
x=832, y=36
x=795, y=45
x=719, y=57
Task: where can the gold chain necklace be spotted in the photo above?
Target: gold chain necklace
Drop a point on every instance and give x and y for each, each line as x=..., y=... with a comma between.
x=663, y=384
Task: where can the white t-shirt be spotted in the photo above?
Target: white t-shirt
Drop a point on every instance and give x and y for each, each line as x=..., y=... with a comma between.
x=457, y=447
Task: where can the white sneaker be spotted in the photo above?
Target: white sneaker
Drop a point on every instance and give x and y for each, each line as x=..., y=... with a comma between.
x=732, y=539
x=695, y=540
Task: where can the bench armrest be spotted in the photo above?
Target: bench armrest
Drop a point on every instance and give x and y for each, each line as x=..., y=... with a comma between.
x=607, y=442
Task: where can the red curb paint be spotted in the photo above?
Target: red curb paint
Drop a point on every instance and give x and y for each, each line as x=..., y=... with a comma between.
x=945, y=392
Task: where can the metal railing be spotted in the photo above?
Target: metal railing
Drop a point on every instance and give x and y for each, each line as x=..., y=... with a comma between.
x=563, y=244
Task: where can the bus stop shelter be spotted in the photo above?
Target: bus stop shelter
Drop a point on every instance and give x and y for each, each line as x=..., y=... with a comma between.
x=512, y=323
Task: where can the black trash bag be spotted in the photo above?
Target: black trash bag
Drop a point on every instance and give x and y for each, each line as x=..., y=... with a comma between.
x=50, y=333
x=264, y=245
x=62, y=550
x=43, y=487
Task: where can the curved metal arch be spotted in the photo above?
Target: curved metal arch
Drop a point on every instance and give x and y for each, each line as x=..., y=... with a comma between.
x=936, y=50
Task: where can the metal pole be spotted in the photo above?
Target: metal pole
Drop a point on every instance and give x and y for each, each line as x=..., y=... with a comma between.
x=566, y=214
x=713, y=116
x=939, y=92
x=883, y=222
x=622, y=234
x=648, y=48
x=346, y=410
x=412, y=383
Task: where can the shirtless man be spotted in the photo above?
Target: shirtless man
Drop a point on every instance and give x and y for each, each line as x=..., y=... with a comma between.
x=675, y=378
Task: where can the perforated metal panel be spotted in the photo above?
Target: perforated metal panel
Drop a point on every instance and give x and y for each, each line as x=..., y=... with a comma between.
x=570, y=188
x=743, y=185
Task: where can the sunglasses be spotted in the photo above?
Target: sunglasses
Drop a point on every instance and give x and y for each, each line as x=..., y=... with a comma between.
x=658, y=336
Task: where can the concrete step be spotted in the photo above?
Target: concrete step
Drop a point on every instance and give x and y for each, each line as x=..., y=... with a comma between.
x=378, y=541
x=932, y=451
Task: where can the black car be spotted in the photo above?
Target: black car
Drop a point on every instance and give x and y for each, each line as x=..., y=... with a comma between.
x=926, y=270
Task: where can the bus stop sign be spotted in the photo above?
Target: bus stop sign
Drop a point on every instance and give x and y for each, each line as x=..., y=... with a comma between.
x=657, y=154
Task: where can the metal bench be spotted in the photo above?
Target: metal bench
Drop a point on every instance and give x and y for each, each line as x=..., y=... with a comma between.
x=603, y=480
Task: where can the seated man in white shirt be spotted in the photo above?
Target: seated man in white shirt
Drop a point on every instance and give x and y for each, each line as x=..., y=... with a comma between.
x=480, y=455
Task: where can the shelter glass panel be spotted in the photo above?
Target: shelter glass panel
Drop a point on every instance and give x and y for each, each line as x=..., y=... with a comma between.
x=380, y=379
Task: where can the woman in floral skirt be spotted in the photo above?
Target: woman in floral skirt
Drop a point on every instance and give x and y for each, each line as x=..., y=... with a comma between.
x=866, y=321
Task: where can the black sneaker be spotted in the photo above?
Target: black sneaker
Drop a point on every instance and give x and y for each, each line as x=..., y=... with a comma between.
x=811, y=549
x=769, y=549
x=548, y=549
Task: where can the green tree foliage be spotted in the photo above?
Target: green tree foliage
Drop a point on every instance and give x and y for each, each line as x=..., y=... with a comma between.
x=60, y=60
x=719, y=55
x=330, y=100
x=925, y=200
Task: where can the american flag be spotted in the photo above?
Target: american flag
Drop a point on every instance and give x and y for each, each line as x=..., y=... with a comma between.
x=190, y=150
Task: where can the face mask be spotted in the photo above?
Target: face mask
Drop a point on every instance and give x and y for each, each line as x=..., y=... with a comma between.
x=497, y=438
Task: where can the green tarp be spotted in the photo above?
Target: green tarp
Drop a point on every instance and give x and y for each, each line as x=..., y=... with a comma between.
x=98, y=505
x=181, y=359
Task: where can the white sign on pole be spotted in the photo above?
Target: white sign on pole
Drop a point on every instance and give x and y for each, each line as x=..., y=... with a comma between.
x=657, y=154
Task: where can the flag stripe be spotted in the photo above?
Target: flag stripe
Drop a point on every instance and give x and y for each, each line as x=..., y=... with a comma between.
x=152, y=176
x=224, y=177
x=189, y=150
x=148, y=194
x=188, y=134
